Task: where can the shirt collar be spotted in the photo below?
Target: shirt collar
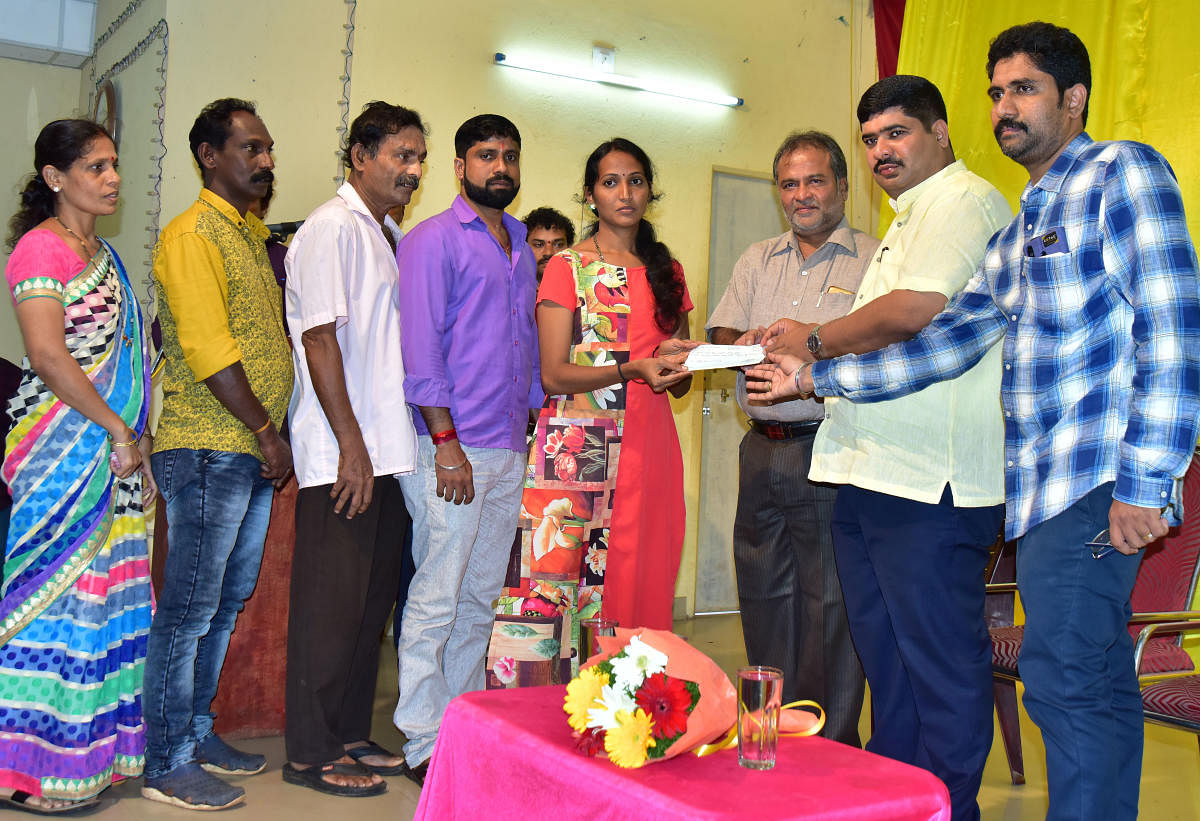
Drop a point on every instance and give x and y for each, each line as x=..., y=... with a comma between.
x=392, y=226
x=842, y=235
x=905, y=201
x=354, y=200
x=250, y=222
x=1052, y=180
x=466, y=215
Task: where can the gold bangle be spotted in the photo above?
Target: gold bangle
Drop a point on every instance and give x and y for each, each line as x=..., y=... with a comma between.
x=266, y=425
x=132, y=444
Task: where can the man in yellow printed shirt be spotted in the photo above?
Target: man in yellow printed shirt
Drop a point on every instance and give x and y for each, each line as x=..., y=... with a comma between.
x=218, y=455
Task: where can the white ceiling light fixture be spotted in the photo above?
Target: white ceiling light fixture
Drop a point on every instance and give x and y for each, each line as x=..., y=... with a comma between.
x=607, y=77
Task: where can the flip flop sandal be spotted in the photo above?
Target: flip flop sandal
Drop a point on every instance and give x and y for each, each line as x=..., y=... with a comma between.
x=19, y=800
x=371, y=748
x=313, y=777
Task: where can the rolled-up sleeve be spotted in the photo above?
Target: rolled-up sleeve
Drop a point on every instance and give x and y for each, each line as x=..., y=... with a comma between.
x=315, y=277
x=424, y=262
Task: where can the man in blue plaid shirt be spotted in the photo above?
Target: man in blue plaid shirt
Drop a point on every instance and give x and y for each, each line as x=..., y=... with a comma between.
x=1093, y=293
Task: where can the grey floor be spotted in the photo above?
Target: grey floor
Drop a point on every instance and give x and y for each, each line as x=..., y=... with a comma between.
x=1170, y=775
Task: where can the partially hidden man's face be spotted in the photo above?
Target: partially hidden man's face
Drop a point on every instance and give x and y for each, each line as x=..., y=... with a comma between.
x=901, y=151
x=813, y=200
x=545, y=242
x=490, y=172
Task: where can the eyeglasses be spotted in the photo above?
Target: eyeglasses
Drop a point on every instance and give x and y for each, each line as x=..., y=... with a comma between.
x=1101, y=544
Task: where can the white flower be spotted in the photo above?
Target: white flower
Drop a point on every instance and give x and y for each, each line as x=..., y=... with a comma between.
x=612, y=700
x=639, y=660
x=597, y=558
x=550, y=533
x=604, y=397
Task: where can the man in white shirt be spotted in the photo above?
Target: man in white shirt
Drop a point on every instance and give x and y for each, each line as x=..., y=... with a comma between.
x=352, y=433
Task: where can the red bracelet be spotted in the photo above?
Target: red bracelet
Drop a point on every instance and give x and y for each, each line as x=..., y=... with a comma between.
x=448, y=435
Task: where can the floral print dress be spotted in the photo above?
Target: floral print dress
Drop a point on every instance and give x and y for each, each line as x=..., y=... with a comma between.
x=594, y=538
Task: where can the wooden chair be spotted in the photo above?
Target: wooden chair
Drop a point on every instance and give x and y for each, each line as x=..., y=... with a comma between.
x=1162, y=592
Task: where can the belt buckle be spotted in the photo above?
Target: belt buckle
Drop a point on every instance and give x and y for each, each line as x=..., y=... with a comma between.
x=775, y=431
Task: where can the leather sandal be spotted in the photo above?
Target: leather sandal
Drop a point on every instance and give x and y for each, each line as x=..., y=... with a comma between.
x=313, y=777
x=371, y=748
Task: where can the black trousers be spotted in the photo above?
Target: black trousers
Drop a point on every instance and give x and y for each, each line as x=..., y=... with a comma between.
x=345, y=578
x=793, y=616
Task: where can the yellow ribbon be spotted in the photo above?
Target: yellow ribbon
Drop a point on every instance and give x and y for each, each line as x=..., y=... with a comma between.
x=731, y=738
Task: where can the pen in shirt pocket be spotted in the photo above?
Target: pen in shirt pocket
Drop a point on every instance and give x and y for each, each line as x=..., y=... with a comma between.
x=832, y=289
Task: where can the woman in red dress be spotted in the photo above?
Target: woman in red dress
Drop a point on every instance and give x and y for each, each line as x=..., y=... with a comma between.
x=602, y=517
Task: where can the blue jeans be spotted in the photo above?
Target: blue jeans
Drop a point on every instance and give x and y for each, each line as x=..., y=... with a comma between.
x=461, y=555
x=1077, y=662
x=218, y=509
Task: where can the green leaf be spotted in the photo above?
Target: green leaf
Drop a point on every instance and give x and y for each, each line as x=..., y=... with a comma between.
x=547, y=648
x=518, y=631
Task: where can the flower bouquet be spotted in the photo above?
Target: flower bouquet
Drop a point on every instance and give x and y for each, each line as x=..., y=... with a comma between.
x=649, y=695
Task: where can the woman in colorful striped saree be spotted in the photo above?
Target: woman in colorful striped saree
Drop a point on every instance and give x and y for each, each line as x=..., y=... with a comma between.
x=76, y=600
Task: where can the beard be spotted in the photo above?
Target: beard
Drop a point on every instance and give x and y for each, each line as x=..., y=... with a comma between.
x=1029, y=146
x=490, y=198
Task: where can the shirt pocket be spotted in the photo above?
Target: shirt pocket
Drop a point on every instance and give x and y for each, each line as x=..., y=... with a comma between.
x=836, y=303
x=1064, y=295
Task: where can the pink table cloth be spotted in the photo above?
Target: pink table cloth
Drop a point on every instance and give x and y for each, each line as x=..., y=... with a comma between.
x=508, y=753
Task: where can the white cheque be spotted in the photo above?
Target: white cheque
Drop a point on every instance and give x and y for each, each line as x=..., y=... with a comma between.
x=707, y=357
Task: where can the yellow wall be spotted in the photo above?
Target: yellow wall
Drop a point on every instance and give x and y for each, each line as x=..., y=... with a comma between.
x=798, y=65
x=30, y=96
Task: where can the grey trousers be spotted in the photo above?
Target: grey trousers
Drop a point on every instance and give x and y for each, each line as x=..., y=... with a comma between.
x=793, y=616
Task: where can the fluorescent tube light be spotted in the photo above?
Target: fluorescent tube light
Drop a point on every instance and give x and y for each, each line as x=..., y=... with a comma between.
x=653, y=86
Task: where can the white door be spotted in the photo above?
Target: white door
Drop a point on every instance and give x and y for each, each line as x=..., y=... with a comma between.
x=745, y=209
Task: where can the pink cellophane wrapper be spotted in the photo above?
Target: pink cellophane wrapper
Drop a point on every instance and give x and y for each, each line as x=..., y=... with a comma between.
x=716, y=711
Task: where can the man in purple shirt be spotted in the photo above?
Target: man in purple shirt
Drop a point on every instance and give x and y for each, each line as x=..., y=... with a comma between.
x=467, y=281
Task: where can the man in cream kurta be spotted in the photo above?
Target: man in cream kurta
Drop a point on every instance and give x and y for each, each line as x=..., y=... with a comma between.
x=921, y=481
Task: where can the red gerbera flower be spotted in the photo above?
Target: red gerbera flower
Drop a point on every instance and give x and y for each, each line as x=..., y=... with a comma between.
x=590, y=742
x=666, y=700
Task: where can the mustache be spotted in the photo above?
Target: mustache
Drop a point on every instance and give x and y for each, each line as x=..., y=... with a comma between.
x=263, y=176
x=501, y=178
x=889, y=161
x=410, y=180
x=1008, y=122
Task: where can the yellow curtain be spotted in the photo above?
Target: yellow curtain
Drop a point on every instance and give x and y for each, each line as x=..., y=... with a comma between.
x=1145, y=84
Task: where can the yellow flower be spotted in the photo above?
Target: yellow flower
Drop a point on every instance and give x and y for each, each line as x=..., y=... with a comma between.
x=626, y=744
x=582, y=693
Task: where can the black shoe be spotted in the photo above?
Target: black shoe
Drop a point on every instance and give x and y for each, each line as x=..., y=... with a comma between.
x=417, y=773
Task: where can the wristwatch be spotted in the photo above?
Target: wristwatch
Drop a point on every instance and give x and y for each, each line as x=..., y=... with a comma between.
x=814, y=342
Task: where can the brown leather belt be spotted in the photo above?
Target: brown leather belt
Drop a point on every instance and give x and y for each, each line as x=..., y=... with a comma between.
x=784, y=430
